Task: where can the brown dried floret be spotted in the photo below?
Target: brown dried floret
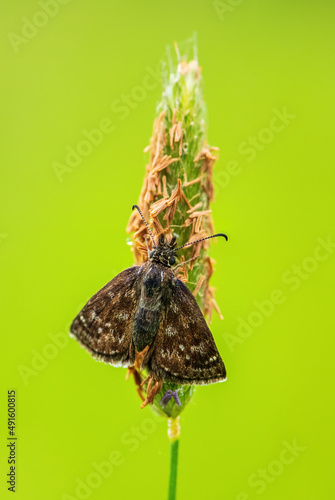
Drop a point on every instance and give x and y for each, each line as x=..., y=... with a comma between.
x=166, y=211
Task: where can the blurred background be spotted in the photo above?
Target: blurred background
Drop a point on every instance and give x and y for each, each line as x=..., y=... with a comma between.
x=71, y=67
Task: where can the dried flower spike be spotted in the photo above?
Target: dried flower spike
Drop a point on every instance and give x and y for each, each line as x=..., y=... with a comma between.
x=176, y=195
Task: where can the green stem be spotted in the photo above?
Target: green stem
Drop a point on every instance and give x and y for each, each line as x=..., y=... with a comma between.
x=173, y=470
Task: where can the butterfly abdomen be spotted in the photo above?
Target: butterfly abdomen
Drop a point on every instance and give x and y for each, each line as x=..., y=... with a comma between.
x=148, y=313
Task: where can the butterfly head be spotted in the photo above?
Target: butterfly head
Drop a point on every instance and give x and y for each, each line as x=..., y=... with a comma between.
x=164, y=252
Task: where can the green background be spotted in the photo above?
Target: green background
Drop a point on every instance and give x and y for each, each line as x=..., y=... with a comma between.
x=61, y=241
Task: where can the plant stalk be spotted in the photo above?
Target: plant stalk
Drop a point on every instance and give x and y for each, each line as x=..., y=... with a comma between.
x=175, y=200
x=173, y=470
x=173, y=433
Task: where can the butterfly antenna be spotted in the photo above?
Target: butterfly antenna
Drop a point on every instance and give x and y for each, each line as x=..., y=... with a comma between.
x=145, y=222
x=202, y=239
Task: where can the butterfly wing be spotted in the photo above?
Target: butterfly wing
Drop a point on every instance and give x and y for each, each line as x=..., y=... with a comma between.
x=184, y=351
x=104, y=326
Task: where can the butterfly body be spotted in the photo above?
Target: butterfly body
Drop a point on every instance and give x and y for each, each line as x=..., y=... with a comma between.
x=146, y=309
x=154, y=295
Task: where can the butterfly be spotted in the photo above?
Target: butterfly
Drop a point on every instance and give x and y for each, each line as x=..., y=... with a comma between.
x=146, y=318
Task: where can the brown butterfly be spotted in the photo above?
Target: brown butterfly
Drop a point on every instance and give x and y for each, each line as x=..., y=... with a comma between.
x=146, y=318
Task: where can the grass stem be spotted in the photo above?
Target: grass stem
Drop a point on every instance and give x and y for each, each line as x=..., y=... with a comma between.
x=173, y=470
x=173, y=433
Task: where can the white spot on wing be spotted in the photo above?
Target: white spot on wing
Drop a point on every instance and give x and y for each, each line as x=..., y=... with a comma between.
x=170, y=331
x=123, y=315
x=198, y=348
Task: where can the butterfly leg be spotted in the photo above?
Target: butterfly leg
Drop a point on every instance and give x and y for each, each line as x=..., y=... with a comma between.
x=137, y=376
x=139, y=357
x=152, y=392
x=135, y=371
x=182, y=263
x=137, y=379
x=145, y=380
x=156, y=389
